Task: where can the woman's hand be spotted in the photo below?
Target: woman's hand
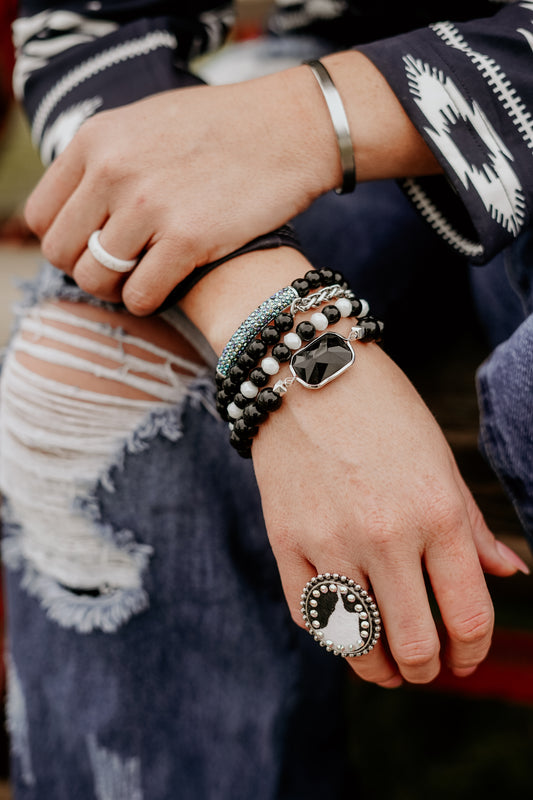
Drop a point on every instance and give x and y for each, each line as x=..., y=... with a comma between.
x=190, y=175
x=183, y=177
x=357, y=478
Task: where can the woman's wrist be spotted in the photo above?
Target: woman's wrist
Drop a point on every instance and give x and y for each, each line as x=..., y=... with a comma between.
x=226, y=296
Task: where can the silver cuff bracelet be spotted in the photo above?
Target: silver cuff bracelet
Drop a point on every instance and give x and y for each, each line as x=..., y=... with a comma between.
x=340, y=125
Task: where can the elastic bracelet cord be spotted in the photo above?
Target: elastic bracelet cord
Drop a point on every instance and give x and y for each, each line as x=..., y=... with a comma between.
x=340, y=125
x=256, y=413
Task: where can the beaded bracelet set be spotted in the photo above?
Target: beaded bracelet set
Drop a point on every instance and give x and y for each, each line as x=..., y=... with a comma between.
x=266, y=340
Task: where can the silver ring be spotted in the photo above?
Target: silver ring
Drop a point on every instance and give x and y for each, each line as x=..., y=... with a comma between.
x=106, y=259
x=340, y=615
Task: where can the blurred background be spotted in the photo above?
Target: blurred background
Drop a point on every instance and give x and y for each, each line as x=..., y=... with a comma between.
x=460, y=739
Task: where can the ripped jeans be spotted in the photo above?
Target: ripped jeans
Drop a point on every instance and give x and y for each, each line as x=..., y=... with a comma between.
x=151, y=655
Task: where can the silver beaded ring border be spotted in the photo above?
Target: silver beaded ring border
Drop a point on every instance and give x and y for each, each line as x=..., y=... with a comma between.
x=364, y=606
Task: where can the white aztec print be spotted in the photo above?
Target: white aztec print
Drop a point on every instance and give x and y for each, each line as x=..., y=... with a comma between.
x=438, y=221
x=495, y=76
x=98, y=63
x=39, y=38
x=444, y=107
x=58, y=135
x=299, y=15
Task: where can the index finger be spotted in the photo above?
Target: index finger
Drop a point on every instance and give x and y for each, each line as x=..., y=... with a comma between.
x=52, y=192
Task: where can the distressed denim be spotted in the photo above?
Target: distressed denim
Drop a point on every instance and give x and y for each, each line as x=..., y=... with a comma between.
x=195, y=684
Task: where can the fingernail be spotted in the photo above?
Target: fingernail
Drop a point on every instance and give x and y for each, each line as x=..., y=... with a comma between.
x=512, y=558
x=463, y=672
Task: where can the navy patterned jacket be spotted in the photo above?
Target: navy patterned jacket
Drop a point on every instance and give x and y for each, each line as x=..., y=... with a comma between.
x=463, y=70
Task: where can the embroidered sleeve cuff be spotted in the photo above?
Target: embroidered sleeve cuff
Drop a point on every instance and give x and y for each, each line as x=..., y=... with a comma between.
x=467, y=87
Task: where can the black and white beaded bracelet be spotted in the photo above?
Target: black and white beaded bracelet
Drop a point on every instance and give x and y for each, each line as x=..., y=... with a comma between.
x=283, y=351
x=269, y=310
x=254, y=366
x=316, y=364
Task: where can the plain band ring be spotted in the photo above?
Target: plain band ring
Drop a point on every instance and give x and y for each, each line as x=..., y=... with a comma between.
x=340, y=615
x=106, y=259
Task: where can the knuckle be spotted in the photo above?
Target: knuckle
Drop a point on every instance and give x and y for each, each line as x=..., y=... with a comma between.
x=445, y=514
x=475, y=628
x=140, y=304
x=33, y=218
x=87, y=281
x=417, y=654
x=54, y=252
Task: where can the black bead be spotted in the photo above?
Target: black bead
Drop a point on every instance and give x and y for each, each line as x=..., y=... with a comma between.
x=259, y=377
x=306, y=330
x=339, y=277
x=222, y=410
x=284, y=322
x=282, y=352
x=313, y=278
x=237, y=374
x=270, y=335
x=244, y=430
x=302, y=286
x=228, y=386
x=268, y=400
x=332, y=314
x=253, y=415
x=219, y=380
x=246, y=362
x=223, y=397
x=240, y=400
x=239, y=442
x=257, y=349
x=357, y=307
x=327, y=276
x=371, y=326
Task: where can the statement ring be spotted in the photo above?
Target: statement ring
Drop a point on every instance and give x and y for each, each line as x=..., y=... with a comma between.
x=340, y=615
x=106, y=259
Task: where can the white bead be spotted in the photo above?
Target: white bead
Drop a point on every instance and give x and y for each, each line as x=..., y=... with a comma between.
x=344, y=306
x=234, y=411
x=364, y=310
x=270, y=365
x=293, y=341
x=249, y=389
x=320, y=321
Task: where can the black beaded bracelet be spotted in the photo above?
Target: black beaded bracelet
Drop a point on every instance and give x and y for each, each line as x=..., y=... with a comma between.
x=235, y=396
x=246, y=369
x=308, y=369
x=268, y=311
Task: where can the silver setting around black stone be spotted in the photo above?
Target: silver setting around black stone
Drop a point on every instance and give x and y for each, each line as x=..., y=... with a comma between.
x=340, y=615
x=322, y=360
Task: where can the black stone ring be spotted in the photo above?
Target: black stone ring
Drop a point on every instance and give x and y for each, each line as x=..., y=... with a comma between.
x=340, y=615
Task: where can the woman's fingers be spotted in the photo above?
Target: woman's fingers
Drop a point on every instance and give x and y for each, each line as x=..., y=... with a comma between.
x=122, y=238
x=52, y=192
x=376, y=666
x=463, y=599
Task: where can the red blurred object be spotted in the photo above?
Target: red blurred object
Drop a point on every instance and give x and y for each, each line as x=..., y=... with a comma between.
x=506, y=674
x=8, y=10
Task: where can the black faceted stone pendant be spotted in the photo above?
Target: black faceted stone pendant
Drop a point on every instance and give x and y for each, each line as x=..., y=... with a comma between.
x=322, y=360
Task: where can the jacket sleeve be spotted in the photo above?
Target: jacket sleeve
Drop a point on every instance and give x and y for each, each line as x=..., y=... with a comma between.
x=72, y=62
x=468, y=88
